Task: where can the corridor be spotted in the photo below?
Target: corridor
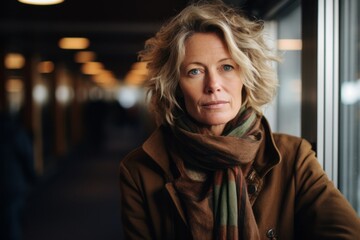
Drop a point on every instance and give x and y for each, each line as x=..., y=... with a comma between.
x=80, y=200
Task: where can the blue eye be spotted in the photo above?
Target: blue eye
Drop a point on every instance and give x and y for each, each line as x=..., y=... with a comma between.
x=227, y=67
x=194, y=71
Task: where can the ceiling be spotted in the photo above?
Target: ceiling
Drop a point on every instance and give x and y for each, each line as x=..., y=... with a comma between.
x=116, y=29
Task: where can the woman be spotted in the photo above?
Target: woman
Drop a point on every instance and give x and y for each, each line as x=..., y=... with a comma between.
x=213, y=169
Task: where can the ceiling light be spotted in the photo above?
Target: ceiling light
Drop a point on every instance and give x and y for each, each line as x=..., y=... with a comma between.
x=41, y=2
x=137, y=74
x=84, y=56
x=45, y=67
x=105, y=78
x=14, y=61
x=74, y=43
x=92, y=68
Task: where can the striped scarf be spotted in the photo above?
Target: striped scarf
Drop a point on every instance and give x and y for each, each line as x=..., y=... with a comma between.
x=211, y=183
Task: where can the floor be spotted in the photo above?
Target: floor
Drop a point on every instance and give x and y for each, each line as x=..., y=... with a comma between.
x=81, y=200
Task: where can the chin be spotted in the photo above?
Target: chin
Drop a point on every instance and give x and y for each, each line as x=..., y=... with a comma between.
x=215, y=121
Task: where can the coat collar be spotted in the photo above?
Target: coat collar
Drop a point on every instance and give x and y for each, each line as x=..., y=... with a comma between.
x=154, y=146
x=268, y=154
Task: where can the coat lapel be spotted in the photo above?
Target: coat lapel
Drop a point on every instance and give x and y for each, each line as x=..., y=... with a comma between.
x=154, y=146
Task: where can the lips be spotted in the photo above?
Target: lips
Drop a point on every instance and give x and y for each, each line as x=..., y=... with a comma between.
x=214, y=104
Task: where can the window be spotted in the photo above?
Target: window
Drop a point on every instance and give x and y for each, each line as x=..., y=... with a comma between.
x=289, y=71
x=284, y=114
x=349, y=127
x=322, y=102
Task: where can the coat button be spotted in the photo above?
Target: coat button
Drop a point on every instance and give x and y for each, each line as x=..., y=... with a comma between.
x=251, y=188
x=271, y=234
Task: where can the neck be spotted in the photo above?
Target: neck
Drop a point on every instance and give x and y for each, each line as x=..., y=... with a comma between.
x=216, y=130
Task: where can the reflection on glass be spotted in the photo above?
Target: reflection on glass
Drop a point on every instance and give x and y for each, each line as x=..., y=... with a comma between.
x=289, y=71
x=349, y=157
x=350, y=92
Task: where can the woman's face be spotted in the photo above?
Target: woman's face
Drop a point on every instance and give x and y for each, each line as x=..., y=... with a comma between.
x=210, y=81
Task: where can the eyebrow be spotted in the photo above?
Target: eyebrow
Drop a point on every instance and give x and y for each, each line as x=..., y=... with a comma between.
x=199, y=63
x=225, y=59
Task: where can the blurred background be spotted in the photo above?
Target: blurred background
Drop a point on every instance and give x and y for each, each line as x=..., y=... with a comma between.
x=72, y=102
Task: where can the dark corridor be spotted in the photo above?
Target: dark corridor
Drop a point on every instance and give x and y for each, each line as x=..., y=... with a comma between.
x=80, y=199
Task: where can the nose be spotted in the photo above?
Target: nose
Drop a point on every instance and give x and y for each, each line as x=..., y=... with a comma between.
x=212, y=82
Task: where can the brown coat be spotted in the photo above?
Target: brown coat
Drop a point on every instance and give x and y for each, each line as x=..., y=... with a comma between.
x=291, y=195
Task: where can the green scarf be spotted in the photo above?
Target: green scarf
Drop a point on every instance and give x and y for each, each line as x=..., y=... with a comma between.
x=211, y=183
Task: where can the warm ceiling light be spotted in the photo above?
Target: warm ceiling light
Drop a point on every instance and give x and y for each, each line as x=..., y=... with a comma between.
x=139, y=65
x=104, y=76
x=45, y=67
x=290, y=44
x=41, y=2
x=74, y=43
x=138, y=73
x=14, y=61
x=84, y=56
x=134, y=78
x=140, y=68
x=105, y=79
x=92, y=68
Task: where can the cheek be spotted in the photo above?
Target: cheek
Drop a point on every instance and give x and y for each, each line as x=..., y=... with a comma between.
x=238, y=94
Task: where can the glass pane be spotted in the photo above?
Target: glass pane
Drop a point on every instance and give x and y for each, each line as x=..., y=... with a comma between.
x=287, y=118
x=349, y=157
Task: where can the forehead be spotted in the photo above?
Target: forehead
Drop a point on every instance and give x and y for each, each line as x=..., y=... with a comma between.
x=205, y=45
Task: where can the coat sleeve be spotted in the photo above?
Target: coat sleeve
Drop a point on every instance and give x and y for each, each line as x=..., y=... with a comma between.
x=133, y=211
x=322, y=212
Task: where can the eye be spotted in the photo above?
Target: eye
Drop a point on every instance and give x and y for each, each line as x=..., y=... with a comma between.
x=227, y=67
x=194, y=72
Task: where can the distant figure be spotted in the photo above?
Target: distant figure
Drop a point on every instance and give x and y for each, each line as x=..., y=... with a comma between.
x=16, y=173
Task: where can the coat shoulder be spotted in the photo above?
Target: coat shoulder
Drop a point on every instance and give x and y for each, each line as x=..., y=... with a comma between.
x=140, y=165
x=282, y=138
x=136, y=162
x=294, y=151
x=134, y=157
x=289, y=144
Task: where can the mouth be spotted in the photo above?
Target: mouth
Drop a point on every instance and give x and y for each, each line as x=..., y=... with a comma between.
x=214, y=104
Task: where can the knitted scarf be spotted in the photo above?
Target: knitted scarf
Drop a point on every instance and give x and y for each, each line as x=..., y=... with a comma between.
x=211, y=183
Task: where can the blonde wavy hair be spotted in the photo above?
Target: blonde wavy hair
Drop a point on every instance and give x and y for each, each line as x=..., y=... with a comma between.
x=244, y=38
